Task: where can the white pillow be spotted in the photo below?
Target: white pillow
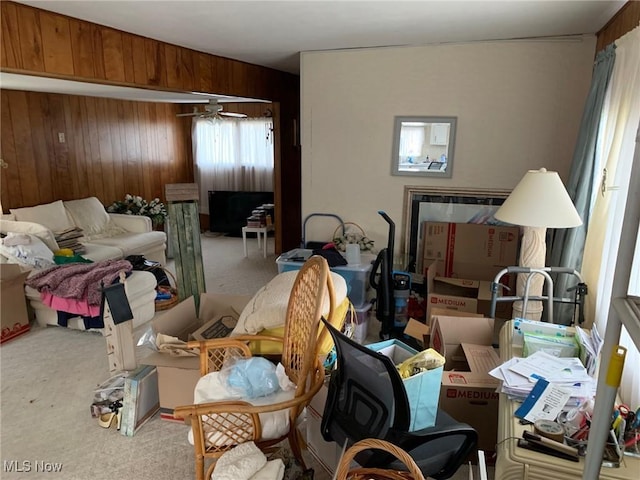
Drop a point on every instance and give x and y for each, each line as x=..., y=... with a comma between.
x=268, y=307
x=8, y=216
x=40, y=231
x=51, y=215
x=26, y=249
x=90, y=215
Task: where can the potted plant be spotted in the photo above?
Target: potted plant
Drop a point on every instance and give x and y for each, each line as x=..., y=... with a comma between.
x=136, y=205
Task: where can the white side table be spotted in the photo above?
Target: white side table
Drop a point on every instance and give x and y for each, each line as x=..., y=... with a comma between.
x=260, y=232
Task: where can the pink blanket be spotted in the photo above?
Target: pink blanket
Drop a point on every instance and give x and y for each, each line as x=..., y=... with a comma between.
x=79, y=281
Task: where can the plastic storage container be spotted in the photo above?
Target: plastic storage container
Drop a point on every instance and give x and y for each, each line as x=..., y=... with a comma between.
x=356, y=276
x=362, y=323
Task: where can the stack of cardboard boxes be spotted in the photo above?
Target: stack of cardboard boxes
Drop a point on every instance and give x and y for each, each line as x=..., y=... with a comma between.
x=460, y=262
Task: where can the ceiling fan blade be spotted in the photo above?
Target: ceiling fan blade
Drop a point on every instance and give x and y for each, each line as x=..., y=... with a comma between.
x=232, y=114
x=187, y=114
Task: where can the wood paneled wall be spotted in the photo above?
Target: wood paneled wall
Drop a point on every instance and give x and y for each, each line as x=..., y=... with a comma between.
x=110, y=148
x=38, y=42
x=627, y=18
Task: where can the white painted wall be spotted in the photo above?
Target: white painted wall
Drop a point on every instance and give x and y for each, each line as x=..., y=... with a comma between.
x=518, y=103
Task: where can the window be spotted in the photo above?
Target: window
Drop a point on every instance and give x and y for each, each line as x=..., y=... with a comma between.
x=232, y=154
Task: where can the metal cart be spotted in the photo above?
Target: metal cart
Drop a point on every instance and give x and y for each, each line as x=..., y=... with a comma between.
x=579, y=290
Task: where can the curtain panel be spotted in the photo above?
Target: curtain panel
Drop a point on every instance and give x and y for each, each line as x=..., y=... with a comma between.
x=233, y=154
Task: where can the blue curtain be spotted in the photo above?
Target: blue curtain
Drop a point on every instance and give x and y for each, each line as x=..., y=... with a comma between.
x=568, y=244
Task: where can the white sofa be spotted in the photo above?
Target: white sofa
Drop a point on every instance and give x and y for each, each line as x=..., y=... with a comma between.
x=106, y=237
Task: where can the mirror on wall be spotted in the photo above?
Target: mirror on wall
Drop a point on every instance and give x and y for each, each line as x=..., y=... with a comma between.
x=423, y=146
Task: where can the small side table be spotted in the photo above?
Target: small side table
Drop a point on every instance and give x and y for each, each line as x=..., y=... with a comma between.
x=260, y=232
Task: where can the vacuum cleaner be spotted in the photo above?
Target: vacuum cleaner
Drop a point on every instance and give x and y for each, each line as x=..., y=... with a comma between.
x=392, y=288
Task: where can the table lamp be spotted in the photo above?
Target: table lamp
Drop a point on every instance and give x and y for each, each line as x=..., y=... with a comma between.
x=538, y=202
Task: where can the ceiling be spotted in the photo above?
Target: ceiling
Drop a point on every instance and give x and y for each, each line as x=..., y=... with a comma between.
x=273, y=33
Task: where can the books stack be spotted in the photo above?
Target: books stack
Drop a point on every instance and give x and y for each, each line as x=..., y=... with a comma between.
x=69, y=238
x=141, y=400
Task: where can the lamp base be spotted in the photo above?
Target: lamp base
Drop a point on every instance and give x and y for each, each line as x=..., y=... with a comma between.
x=533, y=251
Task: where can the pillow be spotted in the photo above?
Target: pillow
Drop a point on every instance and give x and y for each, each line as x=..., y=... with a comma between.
x=51, y=215
x=90, y=215
x=43, y=233
x=27, y=250
x=268, y=307
x=8, y=216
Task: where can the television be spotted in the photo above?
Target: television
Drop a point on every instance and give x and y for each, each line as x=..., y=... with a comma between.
x=228, y=211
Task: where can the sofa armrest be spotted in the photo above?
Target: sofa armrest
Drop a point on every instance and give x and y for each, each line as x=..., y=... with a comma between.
x=132, y=223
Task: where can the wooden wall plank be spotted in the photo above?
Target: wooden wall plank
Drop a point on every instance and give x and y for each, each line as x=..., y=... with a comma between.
x=188, y=69
x=112, y=56
x=9, y=176
x=138, y=57
x=41, y=147
x=63, y=187
x=10, y=38
x=94, y=157
x=155, y=60
x=24, y=160
x=30, y=40
x=56, y=44
x=82, y=50
x=98, y=51
x=204, y=73
x=127, y=57
x=172, y=62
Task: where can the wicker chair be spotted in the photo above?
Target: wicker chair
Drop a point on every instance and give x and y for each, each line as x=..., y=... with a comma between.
x=236, y=421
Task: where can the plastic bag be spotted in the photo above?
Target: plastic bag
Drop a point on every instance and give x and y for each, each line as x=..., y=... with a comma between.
x=251, y=377
x=426, y=360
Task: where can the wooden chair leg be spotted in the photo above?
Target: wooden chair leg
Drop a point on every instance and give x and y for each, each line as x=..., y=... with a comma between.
x=294, y=443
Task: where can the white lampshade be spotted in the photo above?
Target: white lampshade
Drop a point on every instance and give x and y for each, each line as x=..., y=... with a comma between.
x=539, y=200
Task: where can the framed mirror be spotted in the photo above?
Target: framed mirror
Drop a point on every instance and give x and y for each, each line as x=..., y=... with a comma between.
x=423, y=146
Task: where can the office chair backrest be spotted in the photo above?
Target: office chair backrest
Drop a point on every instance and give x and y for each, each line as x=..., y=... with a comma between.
x=366, y=396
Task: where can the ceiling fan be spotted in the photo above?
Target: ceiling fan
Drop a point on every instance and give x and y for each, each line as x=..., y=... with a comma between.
x=211, y=110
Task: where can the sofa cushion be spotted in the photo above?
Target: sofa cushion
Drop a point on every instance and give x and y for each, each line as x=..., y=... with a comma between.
x=51, y=215
x=90, y=215
x=40, y=231
x=134, y=243
x=98, y=253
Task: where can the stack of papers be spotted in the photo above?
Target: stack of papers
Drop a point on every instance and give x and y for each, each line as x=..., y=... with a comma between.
x=519, y=376
x=590, y=346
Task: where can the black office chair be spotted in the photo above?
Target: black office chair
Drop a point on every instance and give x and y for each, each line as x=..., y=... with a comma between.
x=366, y=399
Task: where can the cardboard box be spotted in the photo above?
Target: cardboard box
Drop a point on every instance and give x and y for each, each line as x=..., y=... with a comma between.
x=435, y=311
x=14, y=318
x=449, y=333
x=468, y=392
x=177, y=376
x=468, y=250
x=463, y=295
x=419, y=331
